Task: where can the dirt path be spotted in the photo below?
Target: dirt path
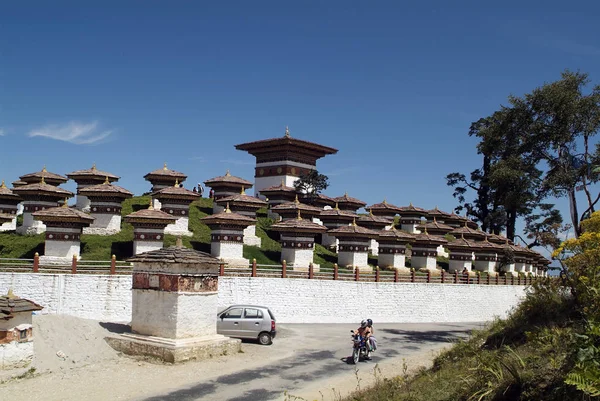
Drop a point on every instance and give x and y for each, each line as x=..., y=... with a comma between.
x=306, y=366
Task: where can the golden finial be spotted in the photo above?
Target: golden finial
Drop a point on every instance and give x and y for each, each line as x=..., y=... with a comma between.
x=462, y=236
x=434, y=220
x=150, y=205
x=410, y=204
x=242, y=191
x=370, y=212
x=3, y=184
x=43, y=181
x=176, y=182
x=466, y=224
x=336, y=206
x=165, y=166
x=354, y=221
x=227, y=209
x=106, y=182
x=425, y=230
x=299, y=217
x=94, y=167
x=227, y=173
x=346, y=194
x=296, y=201
x=65, y=204
x=287, y=132
x=384, y=201
x=44, y=169
x=10, y=294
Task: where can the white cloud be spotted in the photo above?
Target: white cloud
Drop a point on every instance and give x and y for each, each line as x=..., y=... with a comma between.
x=1, y=132
x=73, y=132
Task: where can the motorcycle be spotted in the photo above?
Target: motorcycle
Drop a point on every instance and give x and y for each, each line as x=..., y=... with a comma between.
x=360, y=348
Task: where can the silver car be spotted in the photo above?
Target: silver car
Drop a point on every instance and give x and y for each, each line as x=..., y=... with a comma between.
x=247, y=321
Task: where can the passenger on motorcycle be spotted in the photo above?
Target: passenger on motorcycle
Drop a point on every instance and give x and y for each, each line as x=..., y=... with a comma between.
x=372, y=339
x=365, y=332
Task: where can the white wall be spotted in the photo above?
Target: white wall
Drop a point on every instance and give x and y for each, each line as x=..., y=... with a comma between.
x=108, y=298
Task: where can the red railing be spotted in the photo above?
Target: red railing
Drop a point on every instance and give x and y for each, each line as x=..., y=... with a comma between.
x=283, y=270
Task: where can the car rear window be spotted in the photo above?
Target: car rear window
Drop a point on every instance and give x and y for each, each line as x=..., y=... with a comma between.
x=271, y=314
x=253, y=314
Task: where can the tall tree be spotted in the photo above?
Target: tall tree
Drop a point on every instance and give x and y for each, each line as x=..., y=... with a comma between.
x=311, y=185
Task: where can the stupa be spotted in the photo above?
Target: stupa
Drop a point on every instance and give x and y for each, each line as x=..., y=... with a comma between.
x=438, y=215
x=49, y=178
x=353, y=248
x=289, y=210
x=9, y=202
x=324, y=201
x=246, y=206
x=486, y=256
x=163, y=178
x=425, y=251
x=105, y=207
x=227, y=236
x=298, y=241
x=332, y=219
x=461, y=254
x=410, y=218
x=176, y=201
x=348, y=203
x=148, y=228
x=284, y=158
x=63, y=233
x=224, y=186
x=86, y=178
x=37, y=197
x=384, y=209
x=375, y=223
x=468, y=233
x=392, y=248
x=439, y=229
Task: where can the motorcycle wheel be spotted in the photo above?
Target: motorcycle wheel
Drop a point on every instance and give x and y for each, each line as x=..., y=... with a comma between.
x=355, y=355
x=367, y=354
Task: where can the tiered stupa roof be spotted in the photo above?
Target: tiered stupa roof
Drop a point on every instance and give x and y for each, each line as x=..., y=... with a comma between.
x=7, y=194
x=429, y=239
x=353, y=231
x=486, y=246
x=374, y=222
x=436, y=228
x=346, y=202
x=18, y=183
x=11, y=304
x=324, y=200
x=411, y=210
x=298, y=225
x=438, y=214
x=228, y=180
x=165, y=176
x=228, y=218
x=497, y=239
x=175, y=192
x=92, y=175
x=336, y=215
x=461, y=244
x=150, y=216
x=278, y=189
x=63, y=214
x=394, y=235
x=42, y=189
x=468, y=232
x=175, y=254
x=383, y=209
x=291, y=209
x=105, y=190
x=6, y=218
x=49, y=178
x=242, y=200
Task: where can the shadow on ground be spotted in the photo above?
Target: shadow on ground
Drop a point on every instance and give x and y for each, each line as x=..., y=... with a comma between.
x=420, y=337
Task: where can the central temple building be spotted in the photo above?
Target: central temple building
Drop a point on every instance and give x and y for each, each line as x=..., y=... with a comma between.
x=283, y=159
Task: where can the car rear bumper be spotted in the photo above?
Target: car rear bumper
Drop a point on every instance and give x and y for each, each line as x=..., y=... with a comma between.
x=273, y=333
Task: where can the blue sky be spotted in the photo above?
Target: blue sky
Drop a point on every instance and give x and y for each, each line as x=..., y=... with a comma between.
x=393, y=85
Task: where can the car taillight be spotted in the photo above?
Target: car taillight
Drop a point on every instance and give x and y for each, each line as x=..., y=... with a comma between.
x=272, y=325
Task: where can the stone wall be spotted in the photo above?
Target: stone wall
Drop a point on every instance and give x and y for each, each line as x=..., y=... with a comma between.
x=108, y=298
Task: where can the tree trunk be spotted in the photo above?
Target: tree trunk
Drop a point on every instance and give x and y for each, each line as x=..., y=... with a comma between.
x=483, y=194
x=511, y=218
x=574, y=213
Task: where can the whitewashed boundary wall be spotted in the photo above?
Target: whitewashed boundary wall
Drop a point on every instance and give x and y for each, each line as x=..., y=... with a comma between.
x=108, y=298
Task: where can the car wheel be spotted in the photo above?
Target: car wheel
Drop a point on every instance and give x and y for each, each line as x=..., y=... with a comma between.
x=265, y=338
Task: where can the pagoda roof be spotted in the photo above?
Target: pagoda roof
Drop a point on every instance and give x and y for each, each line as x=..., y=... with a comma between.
x=175, y=192
x=6, y=218
x=348, y=200
x=461, y=243
x=324, y=200
x=398, y=235
x=150, y=215
x=296, y=205
x=425, y=237
x=106, y=188
x=353, y=230
x=10, y=304
x=229, y=179
x=175, y=254
x=384, y=206
x=63, y=213
x=6, y=193
x=485, y=245
x=371, y=219
x=165, y=173
x=278, y=188
x=92, y=172
x=498, y=239
x=298, y=225
x=18, y=183
x=42, y=188
x=410, y=209
x=298, y=145
x=466, y=230
x=228, y=217
x=436, y=225
x=338, y=214
x=38, y=175
x=242, y=199
x=437, y=213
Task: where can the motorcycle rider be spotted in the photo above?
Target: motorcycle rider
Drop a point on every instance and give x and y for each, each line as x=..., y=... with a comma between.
x=365, y=332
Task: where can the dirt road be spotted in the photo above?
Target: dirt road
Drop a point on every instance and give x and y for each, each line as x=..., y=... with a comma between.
x=307, y=361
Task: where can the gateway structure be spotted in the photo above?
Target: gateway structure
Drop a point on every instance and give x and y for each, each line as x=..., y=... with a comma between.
x=283, y=158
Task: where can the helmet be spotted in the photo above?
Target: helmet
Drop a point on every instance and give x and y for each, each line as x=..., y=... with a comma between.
x=363, y=324
x=369, y=322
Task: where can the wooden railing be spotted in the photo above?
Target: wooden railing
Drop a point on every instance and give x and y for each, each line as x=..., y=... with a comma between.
x=275, y=271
